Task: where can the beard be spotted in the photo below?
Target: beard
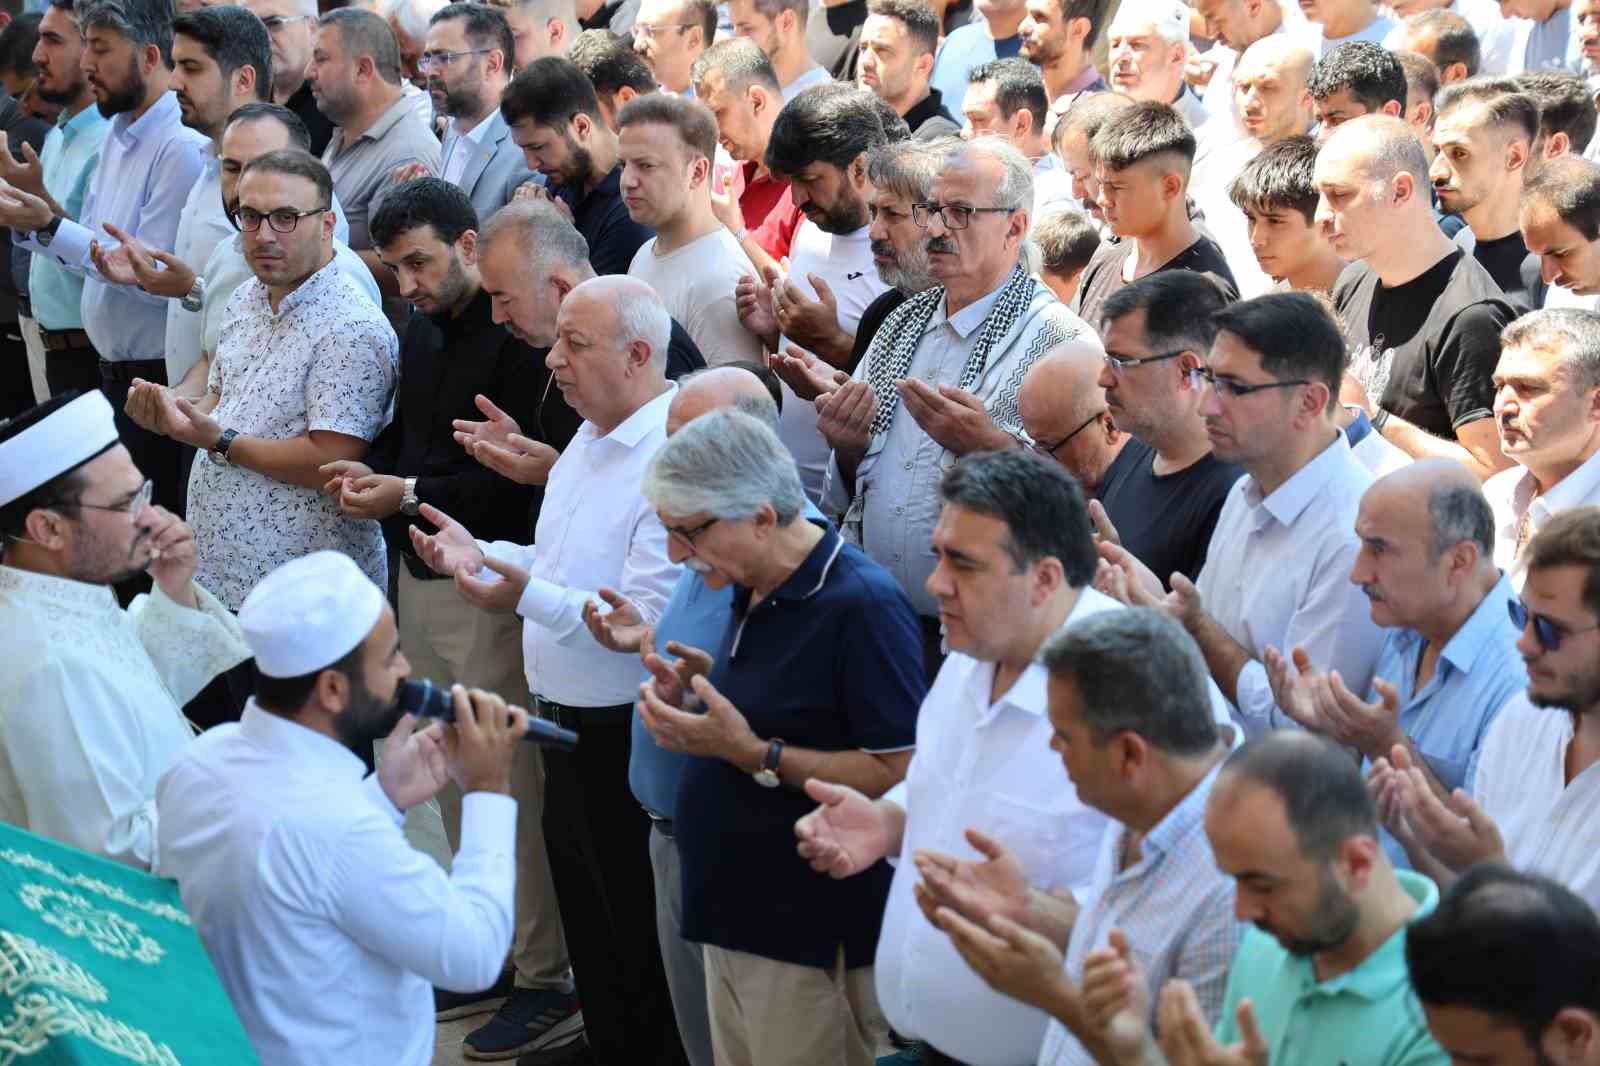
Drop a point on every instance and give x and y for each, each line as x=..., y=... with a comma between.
x=579, y=164
x=367, y=720
x=460, y=99
x=124, y=97
x=909, y=272
x=847, y=215
x=1581, y=692
x=60, y=96
x=100, y=562
x=1336, y=917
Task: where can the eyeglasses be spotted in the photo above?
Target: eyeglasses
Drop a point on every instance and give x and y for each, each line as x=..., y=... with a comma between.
x=1119, y=363
x=282, y=220
x=1048, y=450
x=650, y=33
x=274, y=23
x=954, y=216
x=688, y=535
x=428, y=60
x=1202, y=375
x=1549, y=632
x=134, y=504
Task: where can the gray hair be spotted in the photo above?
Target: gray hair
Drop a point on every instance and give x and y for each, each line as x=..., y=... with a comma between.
x=759, y=407
x=641, y=316
x=412, y=16
x=1460, y=512
x=725, y=464
x=1137, y=671
x=545, y=237
x=1016, y=183
x=143, y=22
x=1574, y=333
x=1391, y=147
x=907, y=168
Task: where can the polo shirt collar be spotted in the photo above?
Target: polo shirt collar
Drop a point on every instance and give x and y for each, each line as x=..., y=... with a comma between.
x=1483, y=627
x=642, y=422
x=1306, y=484
x=386, y=121
x=610, y=188
x=809, y=577
x=1382, y=972
x=305, y=749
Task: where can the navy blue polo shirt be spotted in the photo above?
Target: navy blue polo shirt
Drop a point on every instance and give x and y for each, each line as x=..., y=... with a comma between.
x=603, y=220
x=831, y=660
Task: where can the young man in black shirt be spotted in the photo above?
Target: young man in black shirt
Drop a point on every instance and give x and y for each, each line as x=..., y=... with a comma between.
x=1484, y=135
x=1141, y=159
x=1161, y=497
x=1422, y=317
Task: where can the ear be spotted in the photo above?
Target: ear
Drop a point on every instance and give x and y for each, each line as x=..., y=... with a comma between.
x=923, y=67
x=150, y=58
x=1078, y=30
x=1021, y=123
x=788, y=22
x=1392, y=108
x=244, y=82
x=1129, y=754
x=1558, y=145
x=1403, y=187
x=624, y=94
x=555, y=32
x=1453, y=73
x=857, y=172
x=47, y=528
x=330, y=222
x=1313, y=403
x=1018, y=230
x=582, y=126
x=467, y=245
x=638, y=355
x=332, y=689
x=1357, y=856
x=561, y=285
x=1573, y=1035
x=1516, y=155
x=699, y=172
x=1048, y=578
x=1172, y=185
x=366, y=67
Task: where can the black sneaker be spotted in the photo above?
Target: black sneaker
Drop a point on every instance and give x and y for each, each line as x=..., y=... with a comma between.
x=448, y=1006
x=531, y=1019
x=576, y=1053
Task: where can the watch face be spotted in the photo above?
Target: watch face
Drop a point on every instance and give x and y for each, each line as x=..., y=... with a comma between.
x=766, y=778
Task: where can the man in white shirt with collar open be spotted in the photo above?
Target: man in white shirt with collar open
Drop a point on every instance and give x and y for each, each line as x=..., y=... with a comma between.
x=1277, y=572
x=326, y=927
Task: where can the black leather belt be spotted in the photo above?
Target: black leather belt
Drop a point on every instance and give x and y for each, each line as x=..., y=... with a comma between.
x=420, y=570
x=568, y=717
x=64, y=340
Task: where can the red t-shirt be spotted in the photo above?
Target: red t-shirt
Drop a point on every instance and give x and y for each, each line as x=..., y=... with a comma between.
x=769, y=212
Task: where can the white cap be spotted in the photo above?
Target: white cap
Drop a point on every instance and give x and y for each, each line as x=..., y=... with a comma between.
x=63, y=440
x=1169, y=17
x=309, y=613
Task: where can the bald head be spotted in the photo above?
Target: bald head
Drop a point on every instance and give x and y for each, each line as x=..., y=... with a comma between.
x=1058, y=399
x=1381, y=145
x=1278, y=53
x=1270, y=94
x=718, y=388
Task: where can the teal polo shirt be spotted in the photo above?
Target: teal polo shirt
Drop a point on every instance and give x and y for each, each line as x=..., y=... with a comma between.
x=1366, y=1017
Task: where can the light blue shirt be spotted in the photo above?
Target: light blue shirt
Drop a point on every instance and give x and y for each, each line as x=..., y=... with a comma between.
x=1479, y=669
x=965, y=49
x=147, y=168
x=68, y=162
x=1551, y=44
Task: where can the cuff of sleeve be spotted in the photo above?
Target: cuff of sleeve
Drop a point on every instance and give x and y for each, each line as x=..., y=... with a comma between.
x=380, y=799
x=541, y=601
x=1254, y=692
x=489, y=819
x=70, y=243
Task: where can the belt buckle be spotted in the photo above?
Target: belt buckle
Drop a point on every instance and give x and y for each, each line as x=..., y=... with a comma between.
x=555, y=713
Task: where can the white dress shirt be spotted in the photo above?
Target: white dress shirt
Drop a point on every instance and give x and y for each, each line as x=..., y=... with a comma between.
x=203, y=225
x=595, y=529
x=91, y=700
x=1511, y=498
x=1548, y=823
x=1278, y=573
x=326, y=927
x=464, y=149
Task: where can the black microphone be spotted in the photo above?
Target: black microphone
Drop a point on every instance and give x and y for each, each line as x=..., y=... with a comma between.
x=422, y=699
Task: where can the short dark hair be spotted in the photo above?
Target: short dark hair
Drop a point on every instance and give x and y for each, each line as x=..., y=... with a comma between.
x=610, y=64
x=705, y=11
x=1087, y=115
x=1422, y=77
x=771, y=9
x=1039, y=502
x=364, y=33
x=1513, y=945
x=233, y=38
x=486, y=27
x=1571, y=538
x=1369, y=72
x=142, y=22
x=895, y=127
x=1460, y=512
x=1017, y=85
x=63, y=5
x=17, y=42
x=550, y=91
x=1293, y=333
x=740, y=61
x=60, y=491
x=1279, y=177
x=295, y=163
x=1503, y=104
x=1144, y=131
x=1180, y=308
x=917, y=16
x=1093, y=10
x=1565, y=106
x=262, y=111
x=693, y=122
x=1067, y=240
x=1571, y=188
x=286, y=695
x=1454, y=40
x=1137, y=671
x=1324, y=796
x=831, y=124
x=423, y=202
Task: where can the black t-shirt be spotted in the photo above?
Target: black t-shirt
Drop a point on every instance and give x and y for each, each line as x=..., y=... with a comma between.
x=833, y=36
x=1504, y=259
x=1166, y=522
x=1103, y=275
x=871, y=319
x=1425, y=350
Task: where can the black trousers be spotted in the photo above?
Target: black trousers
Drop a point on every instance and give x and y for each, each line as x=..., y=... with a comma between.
x=16, y=384
x=160, y=458
x=77, y=368
x=597, y=837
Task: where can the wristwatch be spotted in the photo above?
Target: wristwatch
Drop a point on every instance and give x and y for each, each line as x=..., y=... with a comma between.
x=408, y=497
x=767, y=775
x=192, y=301
x=46, y=235
x=220, y=449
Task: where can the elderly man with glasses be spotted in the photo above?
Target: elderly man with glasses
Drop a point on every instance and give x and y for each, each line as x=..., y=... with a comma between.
x=940, y=378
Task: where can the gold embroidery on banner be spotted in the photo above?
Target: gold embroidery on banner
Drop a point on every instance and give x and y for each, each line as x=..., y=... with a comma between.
x=24, y=962
x=108, y=933
x=39, y=1016
x=92, y=884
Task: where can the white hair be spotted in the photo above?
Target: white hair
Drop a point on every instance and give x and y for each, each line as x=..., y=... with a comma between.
x=641, y=316
x=1016, y=182
x=725, y=464
x=1168, y=18
x=412, y=15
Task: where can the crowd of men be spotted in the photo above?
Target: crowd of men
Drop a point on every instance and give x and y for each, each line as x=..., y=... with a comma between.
x=1066, y=531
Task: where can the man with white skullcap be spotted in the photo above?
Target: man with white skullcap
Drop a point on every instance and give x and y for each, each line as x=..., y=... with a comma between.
x=327, y=929
x=90, y=694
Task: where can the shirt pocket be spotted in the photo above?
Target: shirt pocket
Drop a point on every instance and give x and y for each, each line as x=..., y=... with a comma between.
x=1055, y=842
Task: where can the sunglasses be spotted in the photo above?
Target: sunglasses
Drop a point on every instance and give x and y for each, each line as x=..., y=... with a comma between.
x=1550, y=634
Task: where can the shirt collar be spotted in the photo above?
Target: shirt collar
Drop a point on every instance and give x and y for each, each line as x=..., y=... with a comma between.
x=1571, y=490
x=87, y=119
x=970, y=317
x=809, y=577
x=477, y=133
x=308, y=289
x=1030, y=692
x=1305, y=485
x=1487, y=623
x=1378, y=975
x=1187, y=818
x=386, y=121
x=62, y=591
x=637, y=426
x=610, y=187
x=1086, y=77
x=159, y=114
x=304, y=749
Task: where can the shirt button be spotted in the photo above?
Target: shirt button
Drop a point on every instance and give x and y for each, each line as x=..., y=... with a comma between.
x=899, y=510
x=909, y=464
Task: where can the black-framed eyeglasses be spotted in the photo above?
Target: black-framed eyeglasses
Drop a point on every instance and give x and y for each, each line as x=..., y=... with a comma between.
x=131, y=506
x=1549, y=632
x=274, y=23
x=1202, y=375
x=954, y=216
x=650, y=33
x=1048, y=450
x=688, y=535
x=282, y=219
x=428, y=60
x=1120, y=363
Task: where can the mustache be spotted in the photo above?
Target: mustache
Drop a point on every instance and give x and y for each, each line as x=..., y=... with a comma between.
x=941, y=246
x=885, y=249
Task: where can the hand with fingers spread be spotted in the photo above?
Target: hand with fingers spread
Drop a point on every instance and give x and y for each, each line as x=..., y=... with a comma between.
x=497, y=427
x=153, y=270
x=844, y=417
x=449, y=551
x=807, y=376
x=172, y=553
x=1373, y=729
x=672, y=680
x=811, y=324
x=23, y=210
x=415, y=763
x=722, y=732
x=1383, y=784
x=1104, y=529
x=409, y=172
x=499, y=595
x=1292, y=685
x=521, y=459
x=1458, y=833
x=847, y=834
x=622, y=628
x=752, y=301
x=1116, y=1000
x=954, y=418
x=1187, y=1040
x=26, y=173
x=1014, y=961
x=976, y=889
x=115, y=264
x=487, y=733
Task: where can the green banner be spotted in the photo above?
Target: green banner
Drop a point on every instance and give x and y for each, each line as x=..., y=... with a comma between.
x=100, y=964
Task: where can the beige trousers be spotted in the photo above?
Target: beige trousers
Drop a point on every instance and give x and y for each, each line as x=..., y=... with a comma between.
x=446, y=640
x=35, y=346
x=770, y=1013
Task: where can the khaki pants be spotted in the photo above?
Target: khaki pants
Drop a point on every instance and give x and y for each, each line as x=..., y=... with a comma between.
x=35, y=345
x=446, y=639
x=770, y=1013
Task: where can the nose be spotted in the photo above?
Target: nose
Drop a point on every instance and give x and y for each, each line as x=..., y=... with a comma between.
x=938, y=583
x=1107, y=379
x=798, y=194
x=1210, y=402
x=1244, y=908
x=1548, y=269
x=1323, y=216
x=677, y=551
x=1528, y=642
x=497, y=313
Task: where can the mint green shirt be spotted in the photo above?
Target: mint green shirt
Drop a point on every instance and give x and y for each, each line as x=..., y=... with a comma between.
x=67, y=162
x=1366, y=1017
